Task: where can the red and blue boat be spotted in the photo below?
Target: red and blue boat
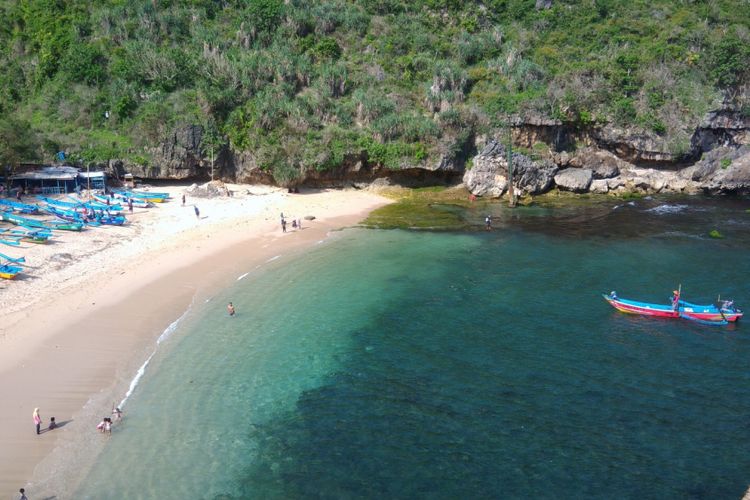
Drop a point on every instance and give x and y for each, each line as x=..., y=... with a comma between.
x=722, y=314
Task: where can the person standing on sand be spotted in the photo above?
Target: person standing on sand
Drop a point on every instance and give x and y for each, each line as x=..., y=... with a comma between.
x=230, y=309
x=130, y=205
x=197, y=212
x=283, y=225
x=23, y=494
x=37, y=419
x=183, y=199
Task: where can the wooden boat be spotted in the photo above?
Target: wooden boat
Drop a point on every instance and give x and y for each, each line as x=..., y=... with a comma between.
x=18, y=207
x=143, y=196
x=65, y=226
x=10, y=269
x=137, y=202
x=705, y=313
x=81, y=207
x=22, y=221
x=28, y=234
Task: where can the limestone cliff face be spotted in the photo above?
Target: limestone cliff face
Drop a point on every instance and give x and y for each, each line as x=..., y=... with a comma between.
x=616, y=159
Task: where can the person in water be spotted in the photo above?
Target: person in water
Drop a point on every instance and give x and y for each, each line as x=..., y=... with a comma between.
x=488, y=223
x=230, y=309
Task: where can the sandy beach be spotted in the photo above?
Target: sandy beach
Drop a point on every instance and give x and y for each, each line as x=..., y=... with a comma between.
x=82, y=317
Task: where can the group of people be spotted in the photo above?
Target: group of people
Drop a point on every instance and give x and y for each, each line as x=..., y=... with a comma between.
x=296, y=223
x=105, y=426
x=38, y=422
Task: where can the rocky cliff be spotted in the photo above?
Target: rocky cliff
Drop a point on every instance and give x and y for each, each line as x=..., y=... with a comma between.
x=600, y=159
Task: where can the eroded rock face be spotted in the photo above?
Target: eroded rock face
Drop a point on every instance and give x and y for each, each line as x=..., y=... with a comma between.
x=603, y=164
x=577, y=180
x=733, y=174
x=489, y=175
x=726, y=127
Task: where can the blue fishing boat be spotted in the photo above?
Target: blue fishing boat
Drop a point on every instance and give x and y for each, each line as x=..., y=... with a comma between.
x=9, y=267
x=725, y=312
x=18, y=207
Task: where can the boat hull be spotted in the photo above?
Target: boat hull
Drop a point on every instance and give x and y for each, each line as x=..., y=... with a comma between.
x=9, y=272
x=707, y=313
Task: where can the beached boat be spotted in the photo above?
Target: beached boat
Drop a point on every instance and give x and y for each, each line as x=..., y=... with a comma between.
x=21, y=221
x=65, y=226
x=9, y=240
x=137, y=202
x=82, y=207
x=66, y=215
x=18, y=207
x=10, y=269
x=144, y=196
x=28, y=234
x=711, y=314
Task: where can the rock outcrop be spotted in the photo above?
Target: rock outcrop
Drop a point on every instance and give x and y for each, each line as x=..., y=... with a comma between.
x=489, y=174
x=577, y=180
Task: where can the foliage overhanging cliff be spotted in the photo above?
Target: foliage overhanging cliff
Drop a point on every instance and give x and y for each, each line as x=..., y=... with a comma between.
x=311, y=85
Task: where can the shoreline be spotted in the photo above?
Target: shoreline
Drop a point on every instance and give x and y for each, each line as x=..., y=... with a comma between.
x=80, y=345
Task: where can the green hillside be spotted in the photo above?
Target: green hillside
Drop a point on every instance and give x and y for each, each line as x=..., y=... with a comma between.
x=305, y=84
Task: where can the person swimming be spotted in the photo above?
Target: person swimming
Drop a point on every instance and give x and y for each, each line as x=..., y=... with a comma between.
x=230, y=309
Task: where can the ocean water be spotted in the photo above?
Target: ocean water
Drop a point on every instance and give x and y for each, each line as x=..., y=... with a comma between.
x=467, y=364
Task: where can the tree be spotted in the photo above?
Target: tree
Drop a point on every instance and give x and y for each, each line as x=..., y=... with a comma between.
x=18, y=142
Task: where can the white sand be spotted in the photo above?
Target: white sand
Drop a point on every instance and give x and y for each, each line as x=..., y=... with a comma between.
x=77, y=321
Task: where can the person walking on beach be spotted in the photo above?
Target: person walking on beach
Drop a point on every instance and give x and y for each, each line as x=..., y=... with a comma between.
x=230, y=309
x=197, y=212
x=130, y=205
x=183, y=199
x=283, y=225
x=23, y=494
x=37, y=420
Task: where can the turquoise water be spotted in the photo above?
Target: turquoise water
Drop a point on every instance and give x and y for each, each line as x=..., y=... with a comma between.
x=395, y=364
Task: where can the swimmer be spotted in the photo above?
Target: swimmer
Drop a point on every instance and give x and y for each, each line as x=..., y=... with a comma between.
x=230, y=309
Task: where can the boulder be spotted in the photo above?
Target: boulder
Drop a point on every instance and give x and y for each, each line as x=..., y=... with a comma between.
x=489, y=174
x=211, y=189
x=603, y=164
x=577, y=180
x=732, y=177
x=599, y=186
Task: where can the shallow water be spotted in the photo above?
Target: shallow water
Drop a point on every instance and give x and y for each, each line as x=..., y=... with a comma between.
x=395, y=364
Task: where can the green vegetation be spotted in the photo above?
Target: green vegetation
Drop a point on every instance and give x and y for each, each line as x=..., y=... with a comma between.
x=725, y=162
x=311, y=84
x=715, y=234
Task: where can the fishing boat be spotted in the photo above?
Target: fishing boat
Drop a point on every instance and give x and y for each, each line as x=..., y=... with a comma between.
x=10, y=269
x=81, y=206
x=726, y=312
x=18, y=207
x=22, y=221
x=9, y=240
x=137, y=202
x=66, y=215
x=65, y=225
x=143, y=196
x=34, y=235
